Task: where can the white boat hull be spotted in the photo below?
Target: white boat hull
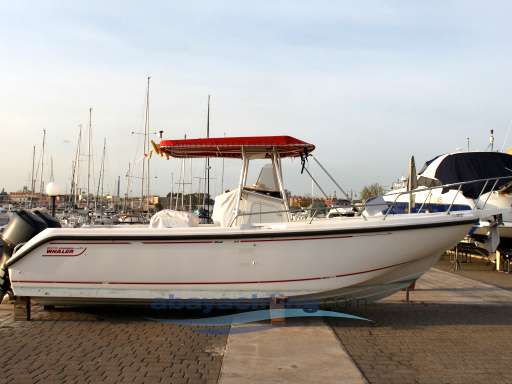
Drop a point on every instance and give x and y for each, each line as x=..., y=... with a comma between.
x=327, y=260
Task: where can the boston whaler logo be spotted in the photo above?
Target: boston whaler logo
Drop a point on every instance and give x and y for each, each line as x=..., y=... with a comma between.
x=64, y=251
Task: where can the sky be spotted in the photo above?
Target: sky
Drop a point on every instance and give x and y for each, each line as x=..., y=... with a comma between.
x=370, y=83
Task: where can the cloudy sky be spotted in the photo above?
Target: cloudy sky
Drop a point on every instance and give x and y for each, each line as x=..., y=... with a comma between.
x=369, y=82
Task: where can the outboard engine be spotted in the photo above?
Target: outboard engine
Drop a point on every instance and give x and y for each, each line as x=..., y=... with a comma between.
x=50, y=221
x=23, y=226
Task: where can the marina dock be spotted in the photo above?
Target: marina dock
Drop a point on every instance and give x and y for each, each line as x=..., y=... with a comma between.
x=455, y=329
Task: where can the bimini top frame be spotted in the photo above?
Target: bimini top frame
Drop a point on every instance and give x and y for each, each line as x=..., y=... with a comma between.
x=254, y=147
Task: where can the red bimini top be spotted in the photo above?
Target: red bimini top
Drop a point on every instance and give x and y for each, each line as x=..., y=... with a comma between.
x=232, y=147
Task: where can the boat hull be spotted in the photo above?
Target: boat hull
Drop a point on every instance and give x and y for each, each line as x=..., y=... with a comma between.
x=328, y=264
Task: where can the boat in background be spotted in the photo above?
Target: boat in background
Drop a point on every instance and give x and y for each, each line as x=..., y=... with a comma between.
x=342, y=208
x=480, y=179
x=252, y=251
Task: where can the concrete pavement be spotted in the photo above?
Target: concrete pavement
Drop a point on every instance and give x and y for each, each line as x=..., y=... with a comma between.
x=299, y=352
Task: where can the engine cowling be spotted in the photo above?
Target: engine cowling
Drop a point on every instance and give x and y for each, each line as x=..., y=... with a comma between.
x=22, y=226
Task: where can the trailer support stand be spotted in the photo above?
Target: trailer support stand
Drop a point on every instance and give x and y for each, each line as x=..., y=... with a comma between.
x=22, y=308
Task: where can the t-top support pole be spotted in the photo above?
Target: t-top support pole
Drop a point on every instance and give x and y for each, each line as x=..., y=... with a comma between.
x=276, y=162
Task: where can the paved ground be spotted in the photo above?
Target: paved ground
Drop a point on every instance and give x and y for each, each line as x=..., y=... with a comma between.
x=480, y=270
x=300, y=352
x=456, y=330
x=70, y=347
x=440, y=287
x=418, y=343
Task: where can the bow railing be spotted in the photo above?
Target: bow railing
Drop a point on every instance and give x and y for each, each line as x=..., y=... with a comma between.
x=309, y=214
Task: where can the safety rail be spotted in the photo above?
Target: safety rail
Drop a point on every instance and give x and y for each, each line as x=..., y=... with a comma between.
x=447, y=186
x=451, y=186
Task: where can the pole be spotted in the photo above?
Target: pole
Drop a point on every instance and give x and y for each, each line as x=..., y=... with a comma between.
x=190, y=196
x=222, y=174
x=182, y=183
x=172, y=190
x=178, y=192
x=51, y=169
x=101, y=178
x=148, y=145
x=103, y=171
x=53, y=198
x=128, y=182
x=77, y=164
x=89, y=160
x=116, y=206
x=41, y=187
x=330, y=177
x=208, y=164
x=32, y=181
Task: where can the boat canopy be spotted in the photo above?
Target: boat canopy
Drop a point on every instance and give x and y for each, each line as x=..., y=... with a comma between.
x=235, y=147
x=466, y=166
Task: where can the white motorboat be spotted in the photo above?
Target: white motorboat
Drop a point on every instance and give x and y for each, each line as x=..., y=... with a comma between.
x=342, y=208
x=462, y=169
x=131, y=219
x=253, y=251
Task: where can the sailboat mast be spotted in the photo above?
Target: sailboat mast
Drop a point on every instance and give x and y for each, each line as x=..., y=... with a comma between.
x=182, y=183
x=145, y=153
x=118, y=201
x=71, y=195
x=128, y=184
x=222, y=174
x=89, y=159
x=148, y=145
x=208, y=164
x=103, y=168
x=41, y=186
x=77, y=165
x=51, y=170
x=32, y=181
x=191, y=188
x=102, y=174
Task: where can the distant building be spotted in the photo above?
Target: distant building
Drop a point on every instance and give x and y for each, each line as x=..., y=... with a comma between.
x=27, y=197
x=299, y=201
x=4, y=197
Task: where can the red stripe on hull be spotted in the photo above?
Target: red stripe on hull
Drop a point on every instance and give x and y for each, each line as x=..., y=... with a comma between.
x=85, y=242
x=210, y=282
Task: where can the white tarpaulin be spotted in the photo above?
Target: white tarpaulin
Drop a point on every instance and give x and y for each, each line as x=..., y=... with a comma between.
x=256, y=204
x=169, y=218
x=224, y=208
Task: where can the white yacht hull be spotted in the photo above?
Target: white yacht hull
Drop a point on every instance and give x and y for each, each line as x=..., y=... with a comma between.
x=326, y=260
x=437, y=201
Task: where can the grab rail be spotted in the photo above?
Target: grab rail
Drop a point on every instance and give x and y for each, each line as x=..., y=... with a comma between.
x=314, y=211
x=449, y=186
